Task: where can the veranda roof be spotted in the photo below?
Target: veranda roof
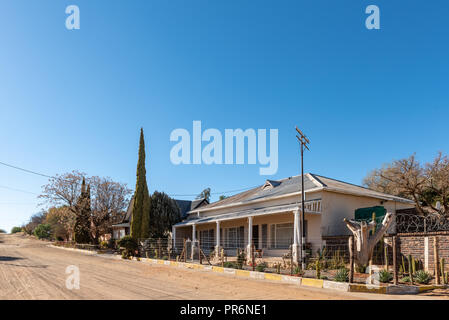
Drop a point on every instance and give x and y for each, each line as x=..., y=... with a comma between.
x=246, y=213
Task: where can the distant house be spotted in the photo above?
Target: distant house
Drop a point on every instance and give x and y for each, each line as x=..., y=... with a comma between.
x=268, y=216
x=122, y=228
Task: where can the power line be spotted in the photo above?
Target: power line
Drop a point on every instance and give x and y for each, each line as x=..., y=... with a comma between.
x=19, y=190
x=212, y=193
x=51, y=177
x=26, y=170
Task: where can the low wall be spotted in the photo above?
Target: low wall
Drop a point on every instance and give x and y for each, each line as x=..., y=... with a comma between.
x=419, y=245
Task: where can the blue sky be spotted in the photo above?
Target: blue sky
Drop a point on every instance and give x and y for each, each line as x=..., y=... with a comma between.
x=76, y=99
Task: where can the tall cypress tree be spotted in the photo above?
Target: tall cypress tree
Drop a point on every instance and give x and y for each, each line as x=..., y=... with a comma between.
x=82, y=219
x=140, y=222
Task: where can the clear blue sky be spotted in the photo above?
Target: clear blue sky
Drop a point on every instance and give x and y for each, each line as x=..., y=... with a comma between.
x=76, y=99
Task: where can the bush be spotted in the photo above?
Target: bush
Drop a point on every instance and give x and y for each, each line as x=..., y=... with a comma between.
x=43, y=231
x=405, y=279
x=229, y=264
x=299, y=271
x=360, y=268
x=261, y=267
x=422, y=277
x=342, y=275
x=241, y=258
x=129, y=244
x=2, y=231
x=16, y=229
x=104, y=244
x=385, y=276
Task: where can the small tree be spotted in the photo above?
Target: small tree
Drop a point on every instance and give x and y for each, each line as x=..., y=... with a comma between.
x=164, y=214
x=43, y=231
x=16, y=230
x=205, y=194
x=82, y=220
x=129, y=246
x=140, y=221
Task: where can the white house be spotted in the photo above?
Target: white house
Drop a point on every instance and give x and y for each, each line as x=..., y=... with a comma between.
x=268, y=216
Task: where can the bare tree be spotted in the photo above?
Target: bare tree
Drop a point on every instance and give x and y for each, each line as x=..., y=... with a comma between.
x=63, y=190
x=426, y=185
x=109, y=200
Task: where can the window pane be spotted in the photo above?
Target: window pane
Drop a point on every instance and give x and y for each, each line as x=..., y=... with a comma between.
x=284, y=235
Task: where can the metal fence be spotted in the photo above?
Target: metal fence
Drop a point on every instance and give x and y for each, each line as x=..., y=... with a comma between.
x=412, y=223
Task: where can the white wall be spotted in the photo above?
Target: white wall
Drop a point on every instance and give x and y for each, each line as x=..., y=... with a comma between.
x=337, y=206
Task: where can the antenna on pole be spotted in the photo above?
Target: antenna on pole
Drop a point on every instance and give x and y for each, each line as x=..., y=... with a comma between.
x=304, y=141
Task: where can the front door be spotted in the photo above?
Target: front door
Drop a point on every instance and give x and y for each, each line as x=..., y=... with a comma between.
x=256, y=236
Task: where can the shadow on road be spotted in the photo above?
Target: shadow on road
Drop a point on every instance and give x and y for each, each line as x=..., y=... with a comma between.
x=10, y=258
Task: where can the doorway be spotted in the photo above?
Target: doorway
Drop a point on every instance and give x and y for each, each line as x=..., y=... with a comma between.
x=256, y=236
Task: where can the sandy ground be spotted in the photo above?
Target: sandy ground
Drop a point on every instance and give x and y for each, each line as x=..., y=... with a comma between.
x=29, y=269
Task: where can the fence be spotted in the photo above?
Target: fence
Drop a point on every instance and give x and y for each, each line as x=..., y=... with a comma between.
x=412, y=223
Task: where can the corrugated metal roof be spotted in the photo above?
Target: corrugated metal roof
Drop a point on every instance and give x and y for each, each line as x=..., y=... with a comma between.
x=272, y=189
x=246, y=213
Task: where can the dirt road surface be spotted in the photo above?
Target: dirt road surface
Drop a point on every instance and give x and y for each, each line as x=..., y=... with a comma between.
x=30, y=269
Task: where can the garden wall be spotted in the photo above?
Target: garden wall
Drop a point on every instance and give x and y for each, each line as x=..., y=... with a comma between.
x=419, y=245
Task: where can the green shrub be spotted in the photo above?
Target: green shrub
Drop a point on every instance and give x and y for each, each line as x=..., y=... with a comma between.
x=324, y=278
x=385, y=276
x=360, y=268
x=104, y=244
x=229, y=264
x=241, y=258
x=43, y=231
x=129, y=244
x=16, y=230
x=299, y=271
x=422, y=277
x=2, y=231
x=342, y=275
x=261, y=267
x=405, y=279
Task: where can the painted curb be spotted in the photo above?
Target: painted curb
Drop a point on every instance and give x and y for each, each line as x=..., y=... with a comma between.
x=256, y=275
x=340, y=286
x=242, y=273
x=272, y=276
x=217, y=269
x=229, y=271
x=74, y=249
x=402, y=290
x=430, y=287
x=316, y=283
x=367, y=289
x=291, y=280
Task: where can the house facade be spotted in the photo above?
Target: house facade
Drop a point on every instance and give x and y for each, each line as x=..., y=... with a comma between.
x=123, y=228
x=267, y=218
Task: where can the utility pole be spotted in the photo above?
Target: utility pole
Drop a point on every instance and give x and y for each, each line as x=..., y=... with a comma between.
x=304, y=141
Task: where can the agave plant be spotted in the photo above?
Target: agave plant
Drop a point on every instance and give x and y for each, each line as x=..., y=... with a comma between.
x=342, y=275
x=422, y=277
x=385, y=276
